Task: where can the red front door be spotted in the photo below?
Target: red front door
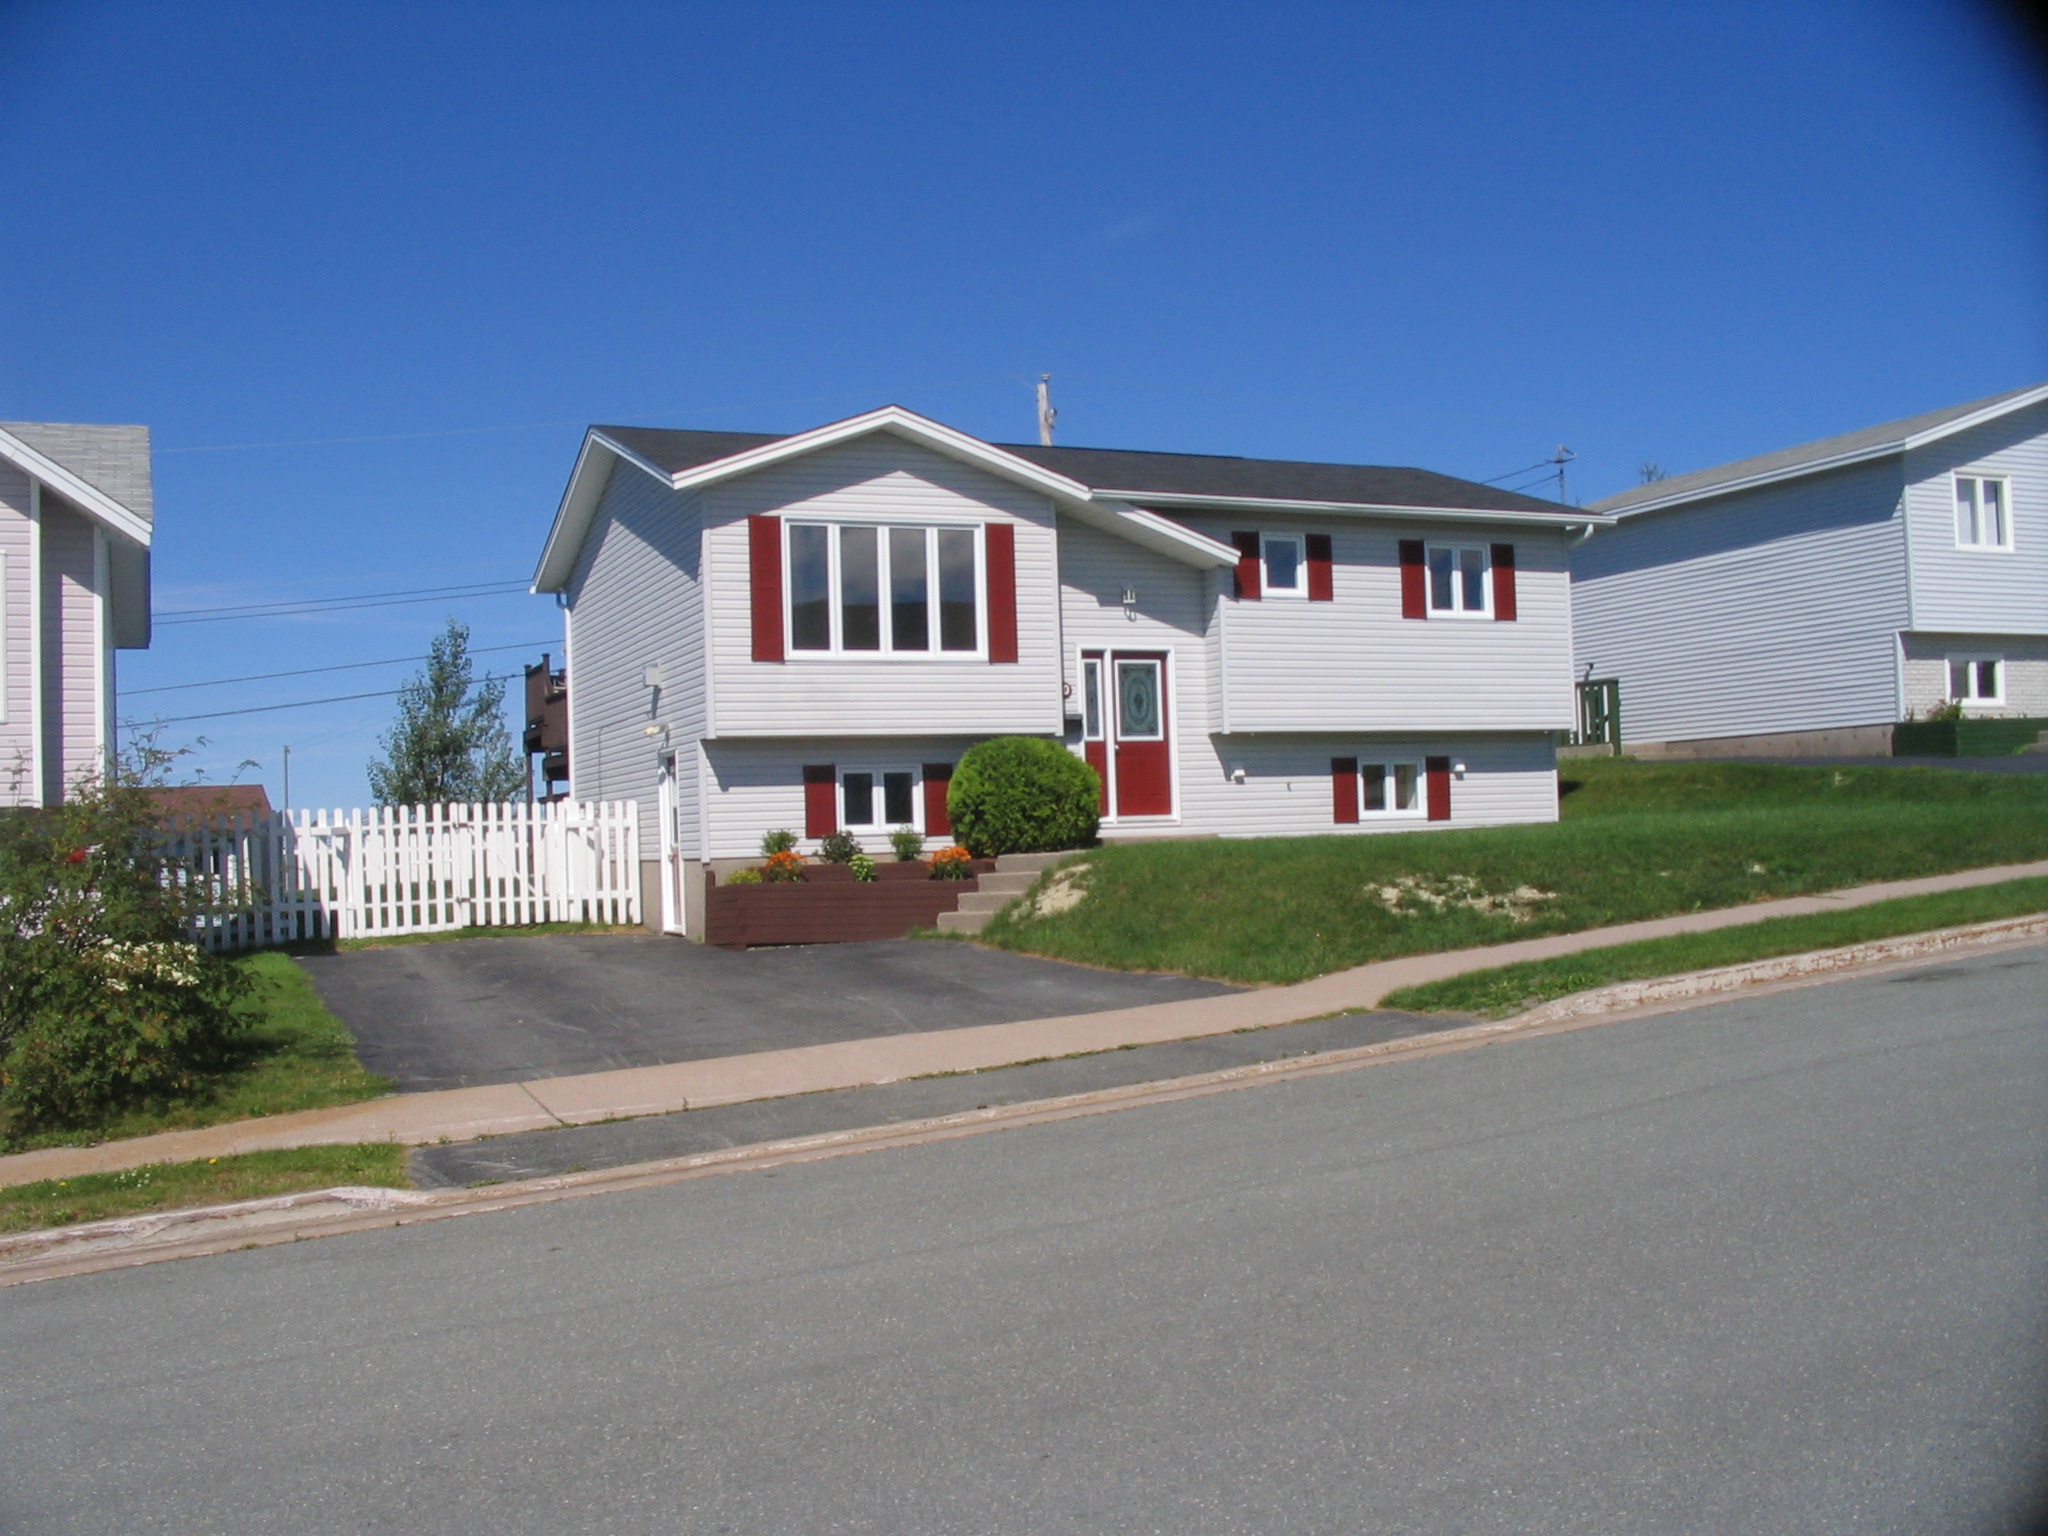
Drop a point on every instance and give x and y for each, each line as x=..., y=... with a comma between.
x=1137, y=718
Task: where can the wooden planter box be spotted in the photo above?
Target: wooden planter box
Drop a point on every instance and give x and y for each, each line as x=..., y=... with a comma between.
x=1965, y=738
x=829, y=906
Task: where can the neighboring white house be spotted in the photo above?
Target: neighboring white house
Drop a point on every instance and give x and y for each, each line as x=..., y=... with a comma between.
x=808, y=631
x=1806, y=601
x=75, y=523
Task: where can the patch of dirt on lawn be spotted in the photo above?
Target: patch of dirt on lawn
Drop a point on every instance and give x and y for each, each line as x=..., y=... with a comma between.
x=1414, y=894
x=1066, y=890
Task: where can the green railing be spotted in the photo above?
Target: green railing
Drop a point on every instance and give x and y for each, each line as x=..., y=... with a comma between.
x=1599, y=714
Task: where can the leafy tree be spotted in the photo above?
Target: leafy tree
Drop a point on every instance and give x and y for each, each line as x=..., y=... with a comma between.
x=449, y=741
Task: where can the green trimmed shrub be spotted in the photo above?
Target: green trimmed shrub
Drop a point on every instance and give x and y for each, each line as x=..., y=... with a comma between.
x=908, y=843
x=780, y=841
x=1022, y=794
x=838, y=848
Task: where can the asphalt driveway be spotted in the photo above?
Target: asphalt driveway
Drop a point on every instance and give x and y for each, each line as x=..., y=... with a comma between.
x=469, y=1011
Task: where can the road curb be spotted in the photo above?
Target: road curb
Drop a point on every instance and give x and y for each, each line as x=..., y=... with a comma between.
x=156, y=1237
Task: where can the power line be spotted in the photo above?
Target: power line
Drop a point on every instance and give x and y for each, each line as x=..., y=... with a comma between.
x=347, y=666
x=264, y=709
x=265, y=610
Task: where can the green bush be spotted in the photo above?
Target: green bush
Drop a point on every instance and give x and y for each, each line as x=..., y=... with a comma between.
x=105, y=1003
x=742, y=877
x=908, y=843
x=862, y=866
x=1022, y=794
x=838, y=848
x=779, y=841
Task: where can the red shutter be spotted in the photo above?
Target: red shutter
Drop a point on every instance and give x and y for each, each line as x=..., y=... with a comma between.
x=1248, y=584
x=821, y=800
x=1002, y=592
x=1439, y=775
x=1503, y=581
x=938, y=778
x=1344, y=788
x=1321, y=585
x=1414, y=581
x=764, y=562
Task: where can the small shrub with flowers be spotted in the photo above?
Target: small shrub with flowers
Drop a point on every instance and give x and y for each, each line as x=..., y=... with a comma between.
x=783, y=867
x=105, y=1002
x=954, y=863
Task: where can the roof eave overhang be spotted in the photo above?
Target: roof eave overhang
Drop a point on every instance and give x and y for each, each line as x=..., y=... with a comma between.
x=89, y=498
x=1150, y=531
x=1863, y=455
x=1562, y=517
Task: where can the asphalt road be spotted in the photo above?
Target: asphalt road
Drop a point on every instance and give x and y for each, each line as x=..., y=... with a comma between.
x=1774, y=1266
x=467, y=1011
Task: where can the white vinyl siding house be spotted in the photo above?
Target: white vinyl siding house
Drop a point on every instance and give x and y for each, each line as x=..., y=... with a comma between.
x=1806, y=601
x=756, y=640
x=75, y=526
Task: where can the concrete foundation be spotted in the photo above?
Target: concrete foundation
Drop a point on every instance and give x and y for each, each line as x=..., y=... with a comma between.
x=1844, y=741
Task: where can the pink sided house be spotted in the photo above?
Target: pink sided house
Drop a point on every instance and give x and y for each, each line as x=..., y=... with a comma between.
x=807, y=631
x=75, y=524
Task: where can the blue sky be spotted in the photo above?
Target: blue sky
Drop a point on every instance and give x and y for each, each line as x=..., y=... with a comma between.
x=367, y=269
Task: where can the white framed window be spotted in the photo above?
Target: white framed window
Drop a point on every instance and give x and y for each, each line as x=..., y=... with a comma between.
x=1390, y=789
x=884, y=589
x=1977, y=679
x=1284, y=558
x=1139, y=716
x=1460, y=581
x=1091, y=698
x=879, y=799
x=1983, y=512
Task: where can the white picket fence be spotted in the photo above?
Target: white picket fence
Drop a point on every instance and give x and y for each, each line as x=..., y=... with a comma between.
x=411, y=869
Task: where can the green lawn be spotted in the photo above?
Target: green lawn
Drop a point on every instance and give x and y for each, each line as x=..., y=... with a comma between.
x=296, y=1055
x=1636, y=840
x=1510, y=989
x=216, y=1181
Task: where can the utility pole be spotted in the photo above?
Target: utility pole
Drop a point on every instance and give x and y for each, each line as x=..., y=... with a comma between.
x=287, y=777
x=1562, y=457
x=1046, y=414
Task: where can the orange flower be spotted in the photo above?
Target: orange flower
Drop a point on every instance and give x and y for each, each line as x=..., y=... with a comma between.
x=783, y=866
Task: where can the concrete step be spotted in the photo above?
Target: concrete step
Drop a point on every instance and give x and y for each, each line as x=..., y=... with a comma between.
x=1014, y=874
x=1030, y=862
x=1011, y=882
x=987, y=903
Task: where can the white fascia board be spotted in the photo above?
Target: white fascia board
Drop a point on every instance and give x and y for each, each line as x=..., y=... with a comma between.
x=890, y=418
x=95, y=502
x=2033, y=396
x=1862, y=455
x=579, y=507
x=1160, y=534
x=1563, y=516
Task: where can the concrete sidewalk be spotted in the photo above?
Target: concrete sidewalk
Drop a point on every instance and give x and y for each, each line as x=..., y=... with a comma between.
x=464, y=1114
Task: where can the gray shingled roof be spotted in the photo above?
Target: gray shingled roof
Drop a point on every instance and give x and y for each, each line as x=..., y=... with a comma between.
x=1162, y=474
x=114, y=460
x=1890, y=434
